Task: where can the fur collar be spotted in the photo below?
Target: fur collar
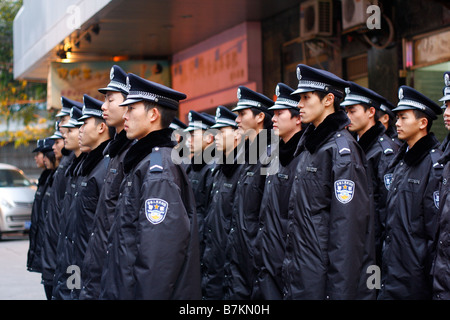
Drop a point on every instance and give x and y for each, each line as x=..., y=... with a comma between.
x=75, y=162
x=210, y=151
x=93, y=158
x=316, y=137
x=287, y=150
x=117, y=145
x=418, y=152
x=143, y=147
x=367, y=140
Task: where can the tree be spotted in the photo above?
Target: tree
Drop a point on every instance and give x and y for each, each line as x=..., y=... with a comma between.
x=20, y=101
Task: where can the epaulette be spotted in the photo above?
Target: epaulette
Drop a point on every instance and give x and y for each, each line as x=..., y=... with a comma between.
x=435, y=156
x=342, y=144
x=387, y=149
x=155, y=161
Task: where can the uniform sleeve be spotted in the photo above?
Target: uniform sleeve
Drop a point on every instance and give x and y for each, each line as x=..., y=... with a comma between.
x=431, y=214
x=351, y=230
x=162, y=238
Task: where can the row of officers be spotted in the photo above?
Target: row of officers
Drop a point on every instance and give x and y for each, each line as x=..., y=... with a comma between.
x=330, y=192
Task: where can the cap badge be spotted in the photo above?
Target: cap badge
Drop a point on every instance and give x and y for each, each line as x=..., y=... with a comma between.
x=299, y=75
x=190, y=117
x=239, y=93
x=447, y=80
x=400, y=94
x=277, y=91
x=128, y=84
x=111, y=73
x=217, y=113
x=347, y=90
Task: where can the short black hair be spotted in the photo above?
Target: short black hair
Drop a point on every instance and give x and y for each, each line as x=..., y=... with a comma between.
x=167, y=115
x=420, y=114
x=337, y=100
x=268, y=124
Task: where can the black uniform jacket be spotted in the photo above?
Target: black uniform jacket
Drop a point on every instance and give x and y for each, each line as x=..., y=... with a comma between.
x=53, y=199
x=64, y=248
x=81, y=218
x=201, y=177
x=153, y=248
x=441, y=267
x=217, y=226
x=104, y=216
x=411, y=222
x=330, y=239
x=35, y=234
x=380, y=150
x=271, y=235
x=240, y=247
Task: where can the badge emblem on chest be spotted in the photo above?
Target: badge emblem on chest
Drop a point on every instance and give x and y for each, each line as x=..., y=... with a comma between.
x=156, y=210
x=344, y=190
x=387, y=180
x=436, y=199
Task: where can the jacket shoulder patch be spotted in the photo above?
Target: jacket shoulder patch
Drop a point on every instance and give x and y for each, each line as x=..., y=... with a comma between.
x=156, y=210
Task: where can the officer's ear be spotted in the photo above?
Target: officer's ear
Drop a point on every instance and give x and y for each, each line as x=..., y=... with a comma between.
x=155, y=114
x=328, y=100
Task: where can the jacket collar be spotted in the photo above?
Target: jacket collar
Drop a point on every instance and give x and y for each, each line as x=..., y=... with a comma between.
x=367, y=140
x=117, y=145
x=144, y=146
x=93, y=158
x=287, y=150
x=418, y=152
x=316, y=137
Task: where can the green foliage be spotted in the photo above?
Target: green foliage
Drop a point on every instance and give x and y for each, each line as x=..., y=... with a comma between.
x=19, y=99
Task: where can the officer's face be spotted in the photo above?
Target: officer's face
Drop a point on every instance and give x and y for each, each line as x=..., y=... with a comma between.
x=409, y=128
x=246, y=121
x=197, y=140
x=312, y=109
x=225, y=139
x=64, y=120
x=89, y=135
x=284, y=125
x=137, y=121
x=112, y=112
x=447, y=115
x=57, y=147
x=71, y=139
x=360, y=118
x=39, y=159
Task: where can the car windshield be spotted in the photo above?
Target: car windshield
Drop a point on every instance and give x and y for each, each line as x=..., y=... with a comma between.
x=13, y=178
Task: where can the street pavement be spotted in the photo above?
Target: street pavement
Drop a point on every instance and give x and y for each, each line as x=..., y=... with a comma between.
x=16, y=283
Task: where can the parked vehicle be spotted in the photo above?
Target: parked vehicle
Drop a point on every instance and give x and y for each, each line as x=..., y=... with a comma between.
x=16, y=199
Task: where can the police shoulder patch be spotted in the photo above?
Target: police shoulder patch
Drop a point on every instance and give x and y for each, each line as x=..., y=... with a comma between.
x=156, y=210
x=344, y=190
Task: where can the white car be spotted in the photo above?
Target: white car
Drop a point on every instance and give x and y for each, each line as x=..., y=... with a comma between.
x=16, y=200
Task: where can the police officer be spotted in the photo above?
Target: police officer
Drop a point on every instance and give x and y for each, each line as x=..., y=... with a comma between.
x=445, y=107
x=330, y=237
x=200, y=171
x=412, y=202
x=153, y=248
x=274, y=206
x=218, y=217
x=85, y=186
x=53, y=198
x=441, y=272
x=35, y=234
x=115, y=94
x=363, y=106
x=388, y=119
x=254, y=123
x=94, y=136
